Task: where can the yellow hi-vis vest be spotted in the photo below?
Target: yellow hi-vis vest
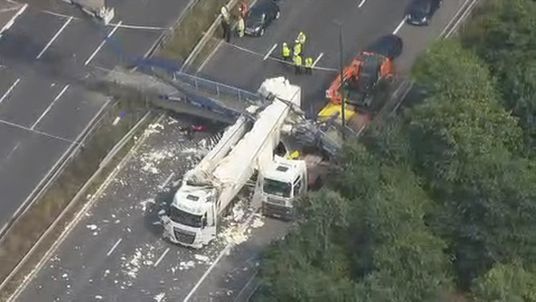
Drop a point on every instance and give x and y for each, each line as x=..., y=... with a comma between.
x=301, y=38
x=309, y=62
x=297, y=49
x=297, y=60
x=286, y=51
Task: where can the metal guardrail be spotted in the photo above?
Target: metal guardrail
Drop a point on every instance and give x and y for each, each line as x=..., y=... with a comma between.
x=219, y=90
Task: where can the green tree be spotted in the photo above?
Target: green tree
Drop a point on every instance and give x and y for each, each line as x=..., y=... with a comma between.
x=506, y=283
x=450, y=70
x=502, y=33
x=412, y=267
x=465, y=145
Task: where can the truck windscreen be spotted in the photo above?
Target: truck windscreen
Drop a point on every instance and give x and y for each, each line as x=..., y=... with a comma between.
x=278, y=188
x=179, y=216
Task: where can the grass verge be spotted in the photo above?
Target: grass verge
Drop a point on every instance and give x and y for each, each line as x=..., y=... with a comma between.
x=192, y=28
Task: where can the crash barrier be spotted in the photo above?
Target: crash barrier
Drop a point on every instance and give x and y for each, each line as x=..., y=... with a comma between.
x=219, y=90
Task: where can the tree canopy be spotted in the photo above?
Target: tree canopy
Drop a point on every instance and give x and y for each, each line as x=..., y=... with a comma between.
x=441, y=199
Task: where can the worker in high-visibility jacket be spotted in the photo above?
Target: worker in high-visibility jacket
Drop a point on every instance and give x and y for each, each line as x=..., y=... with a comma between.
x=297, y=64
x=241, y=27
x=297, y=48
x=285, y=52
x=301, y=38
x=308, y=65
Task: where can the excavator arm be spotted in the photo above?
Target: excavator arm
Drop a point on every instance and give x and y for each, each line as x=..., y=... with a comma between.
x=351, y=71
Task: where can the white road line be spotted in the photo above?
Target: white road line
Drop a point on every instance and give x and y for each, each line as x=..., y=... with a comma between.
x=54, y=37
x=362, y=3
x=222, y=253
x=12, y=20
x=318, y=59
x=50, y=106
x=210, y=56
x=6, y=94
x=141, y=27
x=102, y=43
x=269, y=52
x=114, y=246
x=462, y=18
x=399, y=26
x=15, y=125
x=163, y=185
x=161, y=257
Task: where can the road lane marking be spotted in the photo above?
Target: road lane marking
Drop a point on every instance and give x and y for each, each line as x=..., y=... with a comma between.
x=163, y=185
x=462, y=17
x=114, y=246
x=161, y=257
x=15, y=125
x=318, y=59
x=58, y=96
x=210, y=56
x=362, y=3
x=224, y=252
x=269, y=52
x=399, y=26
x=6, y=94
x=58, y=33
x=102, y=43
x=242, y=291
x=71, y=224
x=12, y=20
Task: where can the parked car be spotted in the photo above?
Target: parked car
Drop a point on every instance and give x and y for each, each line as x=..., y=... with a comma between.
x=419, y=12
x=260, y=16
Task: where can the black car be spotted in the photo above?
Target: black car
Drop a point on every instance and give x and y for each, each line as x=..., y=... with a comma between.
x=260, y=16
x=419, y=12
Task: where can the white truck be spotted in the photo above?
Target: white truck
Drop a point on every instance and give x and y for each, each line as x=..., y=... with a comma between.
x=208, y=189
x=285, y=180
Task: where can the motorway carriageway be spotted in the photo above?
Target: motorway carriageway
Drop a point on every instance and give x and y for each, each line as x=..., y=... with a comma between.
x=46, y=51
x=113, y=251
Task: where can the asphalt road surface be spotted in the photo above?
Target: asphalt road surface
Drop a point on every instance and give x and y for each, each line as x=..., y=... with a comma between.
x=114, y=252
x=247, y=62
x=44, y=57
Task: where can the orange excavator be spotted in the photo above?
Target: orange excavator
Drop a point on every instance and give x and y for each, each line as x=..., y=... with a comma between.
x=361, y=77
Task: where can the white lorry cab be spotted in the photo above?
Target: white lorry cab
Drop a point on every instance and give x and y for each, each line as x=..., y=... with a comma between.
x=281, y=183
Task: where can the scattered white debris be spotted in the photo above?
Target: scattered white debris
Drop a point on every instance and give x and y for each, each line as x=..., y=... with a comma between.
x=202, y=258
x=133, y=266
x=91, y=227
x=238, y=213
x=98, y=297
x=233, y=235
x=257, y=223
x=186, y=265
x=144, y=203
x=172, y=121
x=106, y=273
x=159, y=297
x=152, y=159
x=153, y=128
